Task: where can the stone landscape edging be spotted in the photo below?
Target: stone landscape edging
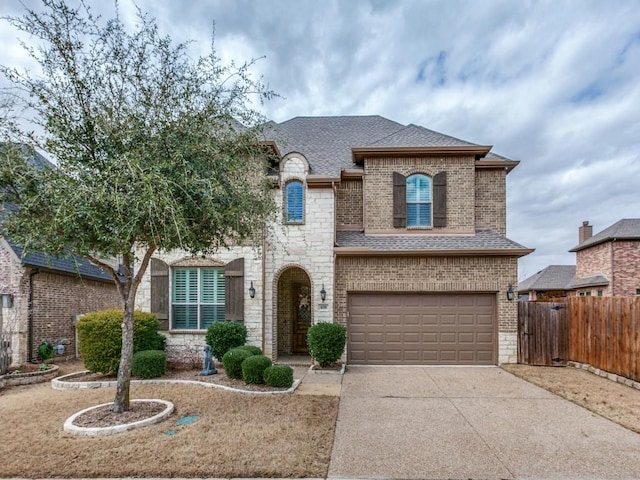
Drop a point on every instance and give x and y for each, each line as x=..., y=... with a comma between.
x=604, y=374
x=103, y=431
x=60, y=383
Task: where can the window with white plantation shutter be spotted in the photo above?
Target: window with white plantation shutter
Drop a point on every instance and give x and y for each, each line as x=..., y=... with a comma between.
x=294, y=202
x=419, y=201
x=197, y=298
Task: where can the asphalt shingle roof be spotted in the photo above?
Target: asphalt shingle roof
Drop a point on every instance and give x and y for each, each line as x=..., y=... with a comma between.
x=326, y=142
x=589, y=281
x=625, y=229
x=482, y=240
x=554, y=277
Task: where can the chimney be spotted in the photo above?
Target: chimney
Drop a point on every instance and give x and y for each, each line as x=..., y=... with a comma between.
x=585, y=232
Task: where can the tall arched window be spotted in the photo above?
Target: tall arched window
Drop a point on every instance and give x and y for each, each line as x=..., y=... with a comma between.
x=294, y=202
x=419, y=201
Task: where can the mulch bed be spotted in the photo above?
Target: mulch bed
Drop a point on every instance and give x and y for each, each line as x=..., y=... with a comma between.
x=105, y=417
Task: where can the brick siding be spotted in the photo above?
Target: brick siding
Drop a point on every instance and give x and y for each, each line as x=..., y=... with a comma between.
x=433, y=274
x=349, y=204
x=378, y=189
x=626, y=267
x=491, y=205
x=58, y=297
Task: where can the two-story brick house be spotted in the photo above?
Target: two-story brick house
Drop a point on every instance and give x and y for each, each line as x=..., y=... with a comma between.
x=608, y=263
x=397, y=232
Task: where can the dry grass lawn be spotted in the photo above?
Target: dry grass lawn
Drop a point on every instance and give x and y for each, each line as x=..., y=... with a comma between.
x=611, y=400
x=235, y=436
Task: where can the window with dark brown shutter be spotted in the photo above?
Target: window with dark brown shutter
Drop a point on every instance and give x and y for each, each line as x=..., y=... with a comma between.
x=160, y=292
x=440, y=199
x=234, y=273
x=399, y=200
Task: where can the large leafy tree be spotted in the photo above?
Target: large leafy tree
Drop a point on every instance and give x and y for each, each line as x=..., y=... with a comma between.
x=155, y=150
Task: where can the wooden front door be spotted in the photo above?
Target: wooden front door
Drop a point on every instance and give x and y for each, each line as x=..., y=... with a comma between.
x=301, y=317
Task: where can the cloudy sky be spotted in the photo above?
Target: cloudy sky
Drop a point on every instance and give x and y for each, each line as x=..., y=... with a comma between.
x=553, y=84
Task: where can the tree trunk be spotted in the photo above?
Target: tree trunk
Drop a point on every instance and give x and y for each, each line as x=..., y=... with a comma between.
x=121, y=402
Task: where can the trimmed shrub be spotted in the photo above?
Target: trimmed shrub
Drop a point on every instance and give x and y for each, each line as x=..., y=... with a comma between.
x=223, y=336
x=100, y=338
x=149, y=364
x=232, y=362
x=279, y=376
x=326, y=342
x=253, y=350
x=253, y=369
x=45, y=351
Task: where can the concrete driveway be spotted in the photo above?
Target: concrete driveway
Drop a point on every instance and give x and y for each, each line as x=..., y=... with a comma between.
x=466, y=422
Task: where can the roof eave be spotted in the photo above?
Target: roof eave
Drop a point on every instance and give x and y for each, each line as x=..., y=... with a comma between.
x=360, y=153
x=579, y=247
x=508, y=165
x=366, y=251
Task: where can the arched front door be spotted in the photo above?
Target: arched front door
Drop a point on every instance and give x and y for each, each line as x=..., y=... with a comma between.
x=294, y=311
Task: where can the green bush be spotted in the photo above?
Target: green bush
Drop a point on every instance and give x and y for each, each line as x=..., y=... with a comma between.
x=253, y=368
x=223, y=336
x=251, y=349
x=149, y=363
x=279, y=376
x=232, y=362
x=100, y=338
x=326, y=342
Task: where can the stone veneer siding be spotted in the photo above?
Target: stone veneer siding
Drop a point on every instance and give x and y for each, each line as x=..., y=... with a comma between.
x=308, y=246
x=491, y=204
x=434, y=274
x=349, y=207
x=185, y=346
x=378, y=189
x=14, y=281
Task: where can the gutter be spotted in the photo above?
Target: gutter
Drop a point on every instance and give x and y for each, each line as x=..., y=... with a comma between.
x=365, y=251
x=32, y=274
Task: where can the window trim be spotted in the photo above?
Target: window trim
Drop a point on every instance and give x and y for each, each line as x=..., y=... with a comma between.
x=285, y=200
x=429, y=202
x=218, y=290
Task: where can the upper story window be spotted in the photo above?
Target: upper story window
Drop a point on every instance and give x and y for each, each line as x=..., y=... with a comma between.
x=419, y=201
x=197, y=297
x=294, y=202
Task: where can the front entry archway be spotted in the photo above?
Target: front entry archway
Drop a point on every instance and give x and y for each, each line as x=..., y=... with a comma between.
x=294, y=311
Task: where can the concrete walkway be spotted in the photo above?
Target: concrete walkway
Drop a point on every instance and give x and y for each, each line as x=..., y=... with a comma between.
x=317, y=382
x=422, y=422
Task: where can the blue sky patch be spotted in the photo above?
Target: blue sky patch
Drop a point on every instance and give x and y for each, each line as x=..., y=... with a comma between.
x=433, y=71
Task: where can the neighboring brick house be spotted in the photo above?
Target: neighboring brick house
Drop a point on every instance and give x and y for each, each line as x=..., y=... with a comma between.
x=397, y=232
x=47, y=293
x=608, y=263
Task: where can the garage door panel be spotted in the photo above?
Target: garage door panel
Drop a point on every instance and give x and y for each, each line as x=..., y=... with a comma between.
x=421, y=329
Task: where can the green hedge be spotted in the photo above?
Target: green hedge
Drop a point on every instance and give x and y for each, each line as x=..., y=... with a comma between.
x=149, y=364
x=252, y=350
x=326, y=342
x=223, y=336
x=279, y=376
x=253, y=368
x=232, y=362
x=100, y=338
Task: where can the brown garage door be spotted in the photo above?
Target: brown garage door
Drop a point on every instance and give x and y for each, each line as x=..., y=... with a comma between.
x=421, y=329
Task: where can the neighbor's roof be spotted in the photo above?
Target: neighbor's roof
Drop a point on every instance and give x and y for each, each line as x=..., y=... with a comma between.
x=483, y=242
x=625, y=229
x=553, y=277
x=69, y=263
x=596, y=280
x=327, y=142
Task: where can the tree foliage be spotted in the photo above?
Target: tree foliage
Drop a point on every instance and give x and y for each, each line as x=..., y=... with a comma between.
x=155, y=150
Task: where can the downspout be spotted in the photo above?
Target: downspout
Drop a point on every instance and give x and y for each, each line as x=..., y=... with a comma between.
x=32, y=274
x=264, y=288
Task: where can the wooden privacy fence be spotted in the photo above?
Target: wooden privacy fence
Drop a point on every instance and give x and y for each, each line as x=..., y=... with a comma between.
x=542, y=333
x=605, y=332
x=601, y=331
